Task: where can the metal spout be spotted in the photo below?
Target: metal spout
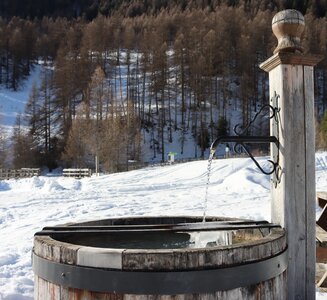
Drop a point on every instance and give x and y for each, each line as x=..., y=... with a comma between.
x=242, y=140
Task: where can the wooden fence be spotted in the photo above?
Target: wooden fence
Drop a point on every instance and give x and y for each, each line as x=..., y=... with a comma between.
x=19, y=173
x=77, y=173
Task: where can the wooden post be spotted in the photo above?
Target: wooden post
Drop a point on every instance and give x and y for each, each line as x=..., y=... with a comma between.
x=293, y=197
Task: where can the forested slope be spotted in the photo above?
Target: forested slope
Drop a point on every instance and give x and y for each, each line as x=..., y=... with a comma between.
x=123, y=83
x=90, y=9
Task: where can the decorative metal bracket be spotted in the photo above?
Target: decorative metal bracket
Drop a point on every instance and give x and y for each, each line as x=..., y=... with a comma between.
x=240, y=139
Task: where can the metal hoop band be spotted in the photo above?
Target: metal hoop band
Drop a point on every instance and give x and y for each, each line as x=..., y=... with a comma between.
x=159, y=282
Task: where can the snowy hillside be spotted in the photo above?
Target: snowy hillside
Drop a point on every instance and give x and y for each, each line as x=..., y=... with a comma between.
x=13, y=103
x=237, y=189
x=182, y=141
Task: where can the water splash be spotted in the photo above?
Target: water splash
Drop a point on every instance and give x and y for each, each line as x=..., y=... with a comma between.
x=212, y=153
x=203, y=239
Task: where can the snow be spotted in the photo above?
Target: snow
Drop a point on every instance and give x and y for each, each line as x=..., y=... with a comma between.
x=237, y=189
x=13, y=103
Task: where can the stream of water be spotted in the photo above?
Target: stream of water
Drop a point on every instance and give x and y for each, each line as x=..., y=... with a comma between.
x=212, y=153
x=205, y=239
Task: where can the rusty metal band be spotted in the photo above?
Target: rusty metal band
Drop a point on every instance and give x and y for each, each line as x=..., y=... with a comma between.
x=158, y=282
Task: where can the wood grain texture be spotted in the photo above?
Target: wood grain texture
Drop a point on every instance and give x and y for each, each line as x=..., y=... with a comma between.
x=310, y=180
x=179, y=259
x=293, y=200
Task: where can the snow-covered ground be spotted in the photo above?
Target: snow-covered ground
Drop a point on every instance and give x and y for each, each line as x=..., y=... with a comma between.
x=237, y=189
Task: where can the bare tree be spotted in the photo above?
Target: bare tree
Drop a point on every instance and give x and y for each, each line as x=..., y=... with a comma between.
x=24, y=153
x=78, y=150
x=3, y=144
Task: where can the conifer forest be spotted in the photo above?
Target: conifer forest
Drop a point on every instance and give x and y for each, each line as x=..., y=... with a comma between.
x=121, y=79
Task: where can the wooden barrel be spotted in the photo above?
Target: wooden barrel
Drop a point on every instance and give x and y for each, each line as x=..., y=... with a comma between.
x=252, y=267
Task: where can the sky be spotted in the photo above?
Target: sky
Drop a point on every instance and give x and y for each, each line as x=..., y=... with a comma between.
x=236, y=189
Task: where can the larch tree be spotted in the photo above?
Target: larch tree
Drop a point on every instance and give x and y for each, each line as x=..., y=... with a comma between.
x=23, y=151
x=70, y=78
x=322, y=134
x=78, y=150
x=40, y=117
x=3, y=145
x=98, y=91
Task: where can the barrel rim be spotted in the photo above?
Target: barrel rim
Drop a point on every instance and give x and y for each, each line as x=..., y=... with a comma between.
x=161, y=259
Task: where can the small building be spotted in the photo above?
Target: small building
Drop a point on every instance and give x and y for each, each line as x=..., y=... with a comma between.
x=171, y=157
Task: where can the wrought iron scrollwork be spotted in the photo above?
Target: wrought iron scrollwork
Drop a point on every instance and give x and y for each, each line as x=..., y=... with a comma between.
x=241, y=140
x=274, y=114
x=248, y=152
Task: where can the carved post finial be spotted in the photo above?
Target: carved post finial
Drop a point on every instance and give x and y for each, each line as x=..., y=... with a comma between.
x=288, y=26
